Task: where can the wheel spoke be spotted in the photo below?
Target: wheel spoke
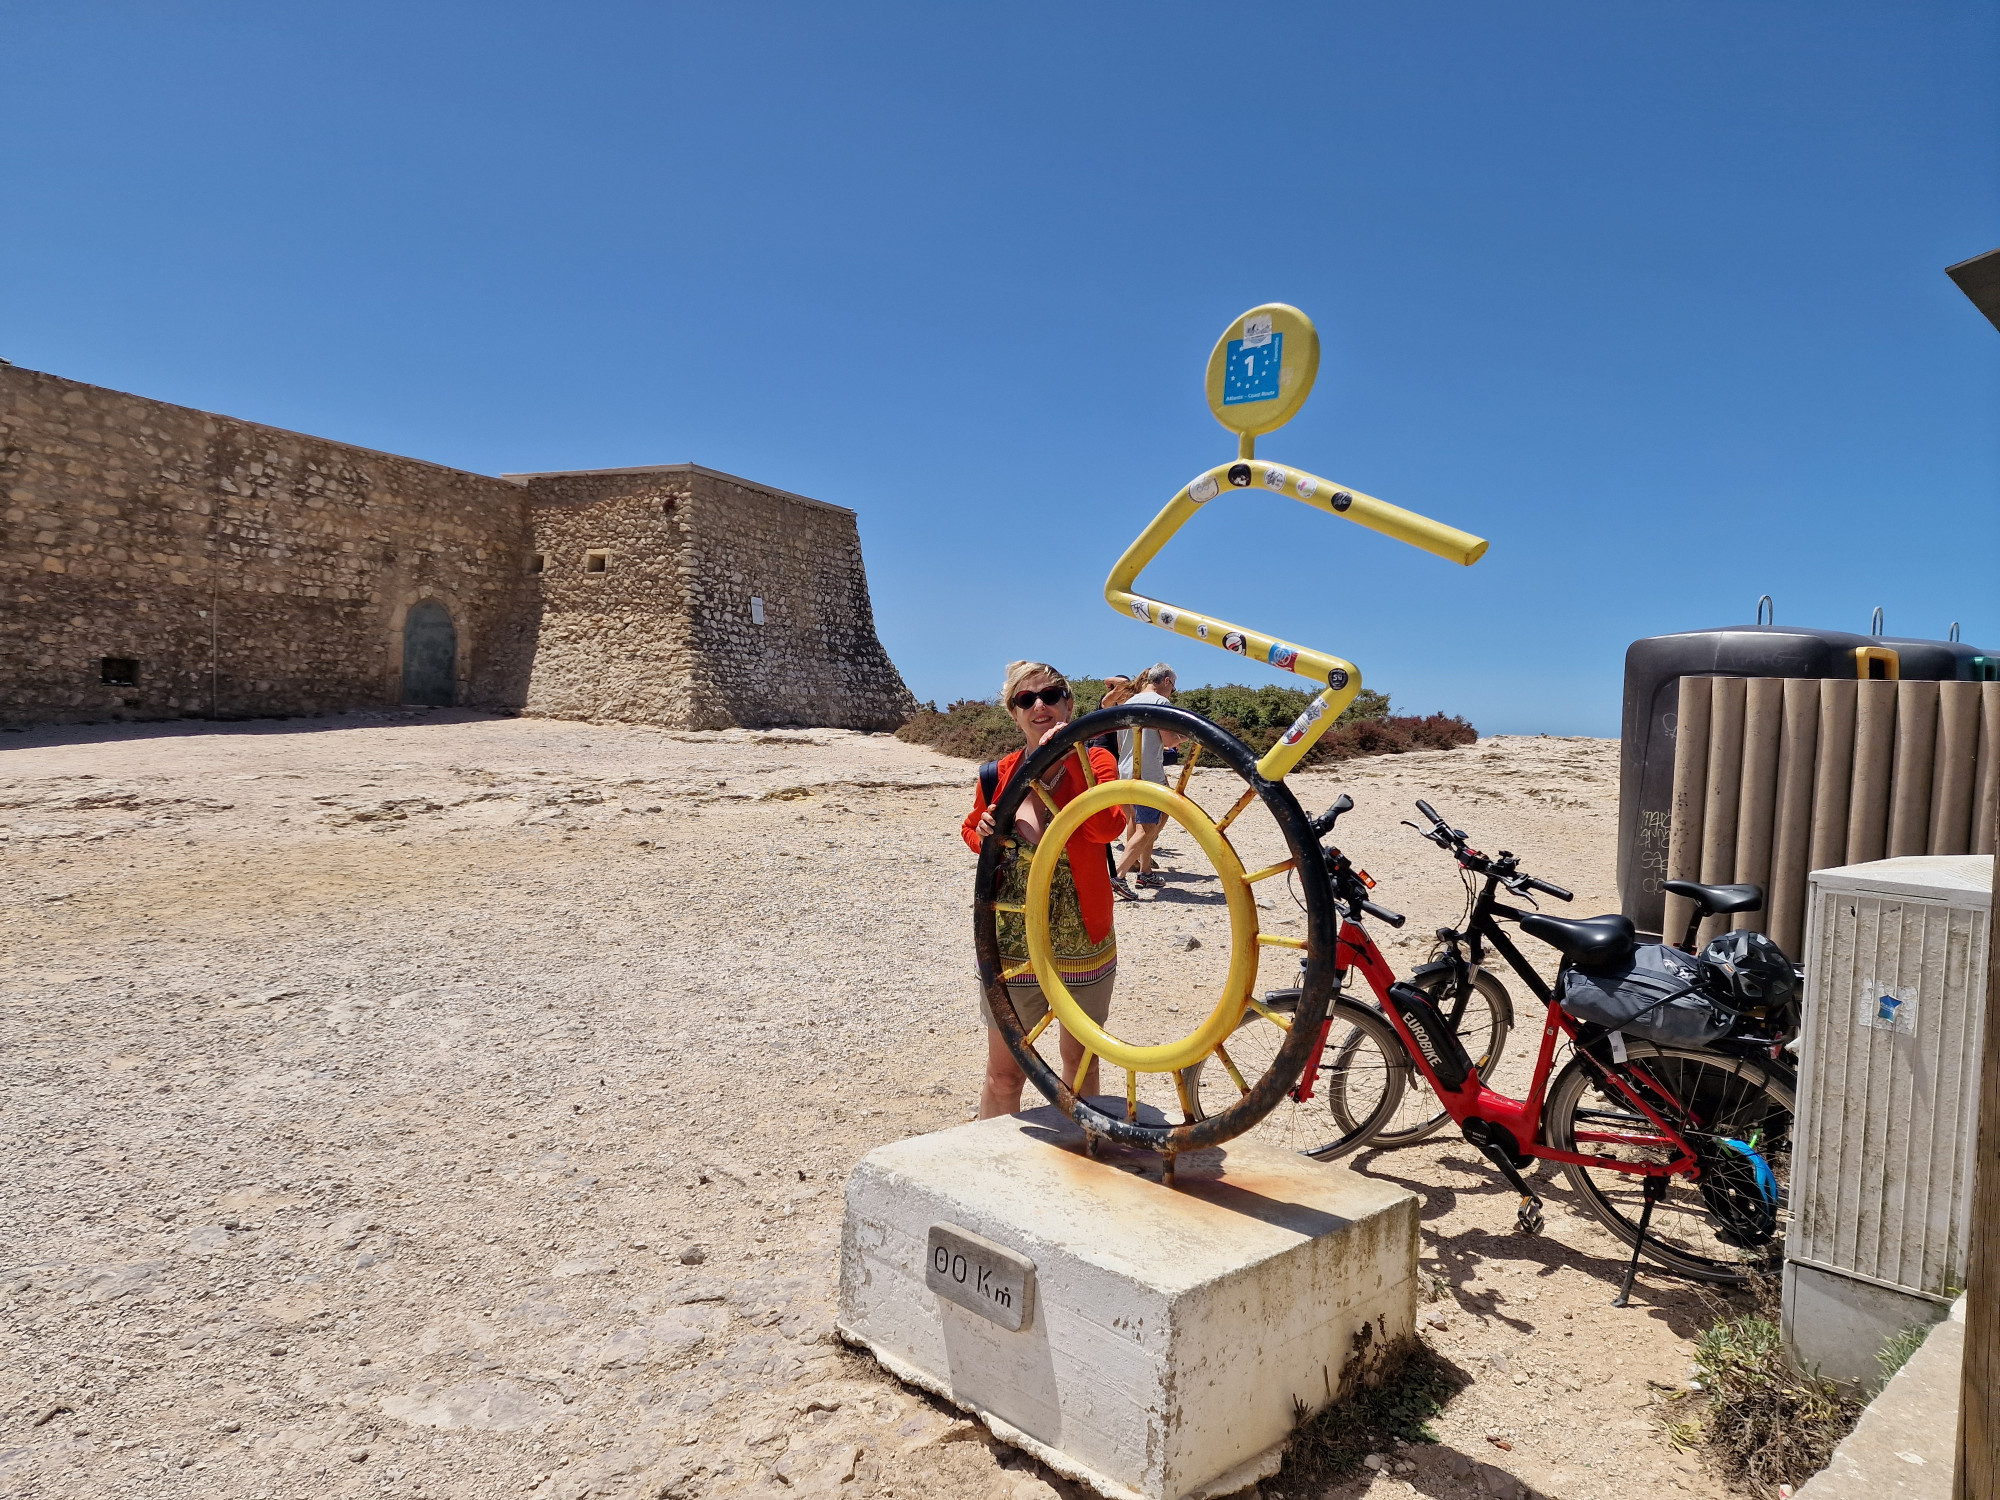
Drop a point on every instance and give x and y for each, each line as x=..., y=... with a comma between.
x=1278, y=869
x=1082, y=1067
x=1222, y=1056
x=1187, y=770
x=1249, y=796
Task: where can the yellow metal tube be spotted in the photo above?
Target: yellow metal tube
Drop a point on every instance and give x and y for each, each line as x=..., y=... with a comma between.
x=1342, y=677
x=1165, y=1057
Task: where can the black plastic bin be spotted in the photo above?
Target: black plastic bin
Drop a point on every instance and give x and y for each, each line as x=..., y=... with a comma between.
x=1653, y=670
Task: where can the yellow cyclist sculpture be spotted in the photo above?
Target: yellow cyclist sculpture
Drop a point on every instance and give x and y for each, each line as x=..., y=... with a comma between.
x=1259, y=374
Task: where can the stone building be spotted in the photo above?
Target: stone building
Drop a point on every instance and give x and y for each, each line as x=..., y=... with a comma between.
x=161, y=562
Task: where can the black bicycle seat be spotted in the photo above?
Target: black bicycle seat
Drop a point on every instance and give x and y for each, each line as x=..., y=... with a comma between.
x=1585, y=941
x=1720, y=900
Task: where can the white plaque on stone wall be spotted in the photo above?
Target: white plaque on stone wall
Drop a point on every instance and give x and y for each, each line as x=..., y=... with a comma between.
x=756, y=611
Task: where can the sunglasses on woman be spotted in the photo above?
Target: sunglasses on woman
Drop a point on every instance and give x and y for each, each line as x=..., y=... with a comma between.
x=1027, y=698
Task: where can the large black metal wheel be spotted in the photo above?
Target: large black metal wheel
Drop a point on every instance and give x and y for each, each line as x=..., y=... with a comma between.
x=1202, y=1123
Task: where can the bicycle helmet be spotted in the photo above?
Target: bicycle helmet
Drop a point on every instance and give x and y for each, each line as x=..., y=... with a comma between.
x=1747, y=971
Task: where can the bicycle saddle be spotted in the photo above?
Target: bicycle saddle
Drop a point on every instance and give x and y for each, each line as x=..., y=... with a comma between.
x=1587, y=941
x=1720, y=900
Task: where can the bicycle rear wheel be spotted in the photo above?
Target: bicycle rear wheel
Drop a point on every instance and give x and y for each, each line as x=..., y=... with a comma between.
x=1725, y=1226
x=1353, y=1097
x=1483, y=1024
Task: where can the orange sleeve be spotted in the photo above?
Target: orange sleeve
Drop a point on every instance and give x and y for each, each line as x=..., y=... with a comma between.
x=966, y=830
x=1104, y=827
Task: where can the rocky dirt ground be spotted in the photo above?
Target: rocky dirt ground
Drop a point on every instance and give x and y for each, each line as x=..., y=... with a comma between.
x=426, y=1104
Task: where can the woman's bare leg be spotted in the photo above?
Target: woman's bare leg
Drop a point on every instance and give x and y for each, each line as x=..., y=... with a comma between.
x=1139, y=849
x=1000, y=1094
x=1072, y=1054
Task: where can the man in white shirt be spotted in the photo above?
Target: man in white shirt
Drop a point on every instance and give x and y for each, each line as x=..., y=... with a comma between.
x=1141, y=758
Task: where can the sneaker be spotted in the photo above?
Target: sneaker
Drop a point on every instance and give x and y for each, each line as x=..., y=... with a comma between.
x=1150, y=881
x=1123, y=891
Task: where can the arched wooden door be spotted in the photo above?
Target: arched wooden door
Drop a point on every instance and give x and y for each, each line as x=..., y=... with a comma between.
x=430, y=655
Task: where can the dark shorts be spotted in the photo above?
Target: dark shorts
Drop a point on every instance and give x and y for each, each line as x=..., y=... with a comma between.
x=1147, y=815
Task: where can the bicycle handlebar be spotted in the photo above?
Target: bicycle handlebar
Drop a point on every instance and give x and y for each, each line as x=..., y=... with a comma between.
x=1505, y=868
x=1382, y=913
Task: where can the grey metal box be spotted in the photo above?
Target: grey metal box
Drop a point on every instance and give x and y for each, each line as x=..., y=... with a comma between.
x=1896, y=962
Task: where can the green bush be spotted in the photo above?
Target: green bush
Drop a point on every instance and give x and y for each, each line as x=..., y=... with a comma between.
x=980, y=729
x=1239, y=708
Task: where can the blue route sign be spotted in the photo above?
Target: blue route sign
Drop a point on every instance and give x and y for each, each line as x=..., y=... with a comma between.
x=1252, y=374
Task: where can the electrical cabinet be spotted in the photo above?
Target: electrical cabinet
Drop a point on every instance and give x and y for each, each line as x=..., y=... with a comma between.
x=1888, y=1103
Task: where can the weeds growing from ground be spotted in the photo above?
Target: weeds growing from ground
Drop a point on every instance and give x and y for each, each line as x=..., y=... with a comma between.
x=1331, y=1443
x=1766, y=1423
x=1896, y=1353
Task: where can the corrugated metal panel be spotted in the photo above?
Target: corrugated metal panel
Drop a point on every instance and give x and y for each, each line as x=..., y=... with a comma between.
x=1773, y=777
x=1888, y=1089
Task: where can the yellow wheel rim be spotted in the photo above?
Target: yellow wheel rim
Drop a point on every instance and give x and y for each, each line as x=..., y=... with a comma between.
x=1163, y=1057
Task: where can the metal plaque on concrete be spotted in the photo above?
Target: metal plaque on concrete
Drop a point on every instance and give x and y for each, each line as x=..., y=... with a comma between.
x=990, y=1279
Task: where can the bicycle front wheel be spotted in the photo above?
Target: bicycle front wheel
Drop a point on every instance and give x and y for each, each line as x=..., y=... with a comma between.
x=1363, y=1072
x=1726, y=1225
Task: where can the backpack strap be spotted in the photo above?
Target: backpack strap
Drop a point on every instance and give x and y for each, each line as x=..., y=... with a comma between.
x=989, y=780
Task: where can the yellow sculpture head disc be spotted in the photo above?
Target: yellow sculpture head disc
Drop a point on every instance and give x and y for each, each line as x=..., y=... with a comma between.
x=1262, y=369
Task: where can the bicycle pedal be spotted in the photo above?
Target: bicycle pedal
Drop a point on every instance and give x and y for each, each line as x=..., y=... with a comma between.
x=1529, y=1217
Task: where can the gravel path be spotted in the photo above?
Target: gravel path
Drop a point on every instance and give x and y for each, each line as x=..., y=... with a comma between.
x=433, y=1104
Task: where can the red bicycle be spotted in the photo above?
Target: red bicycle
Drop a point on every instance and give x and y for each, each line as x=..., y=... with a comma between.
x=1682, y=1154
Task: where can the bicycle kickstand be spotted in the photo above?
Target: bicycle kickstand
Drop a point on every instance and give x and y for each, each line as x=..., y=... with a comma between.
x=1655, y=1186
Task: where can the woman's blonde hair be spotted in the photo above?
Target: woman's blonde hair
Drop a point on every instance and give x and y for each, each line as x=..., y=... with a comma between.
x=1019, y=672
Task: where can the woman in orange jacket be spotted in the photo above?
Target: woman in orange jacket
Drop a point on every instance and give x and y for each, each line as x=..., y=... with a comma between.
x=1086, y=948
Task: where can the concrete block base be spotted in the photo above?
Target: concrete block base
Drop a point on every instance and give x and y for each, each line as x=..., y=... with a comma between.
x=1168, y=1331
x=1835, y=1326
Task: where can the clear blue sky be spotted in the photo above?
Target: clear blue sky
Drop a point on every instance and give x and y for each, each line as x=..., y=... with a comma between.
x=1649, y=294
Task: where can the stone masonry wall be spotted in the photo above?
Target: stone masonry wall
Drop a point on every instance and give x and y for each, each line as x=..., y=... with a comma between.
x=247, y=570
x=610, y=643
x=665, y=632
x=251, y=571
x=815, y=658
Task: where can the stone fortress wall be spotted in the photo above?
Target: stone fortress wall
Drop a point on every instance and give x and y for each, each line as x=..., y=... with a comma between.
x=160, y=562
x=679, y=595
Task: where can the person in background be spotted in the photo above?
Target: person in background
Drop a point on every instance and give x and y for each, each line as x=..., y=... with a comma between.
x=1086, y=947
x=1117, y=689
x=1140, y=759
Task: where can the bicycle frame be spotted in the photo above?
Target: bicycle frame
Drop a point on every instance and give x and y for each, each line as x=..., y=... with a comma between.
x=1520, y=1118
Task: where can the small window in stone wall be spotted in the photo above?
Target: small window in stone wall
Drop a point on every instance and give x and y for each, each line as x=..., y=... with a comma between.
x=537, y=562
x=596, y=561
x=756, y=611
x=119, y=671
x=667, y=505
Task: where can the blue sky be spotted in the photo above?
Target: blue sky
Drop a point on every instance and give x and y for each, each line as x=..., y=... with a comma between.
x=1650, y=295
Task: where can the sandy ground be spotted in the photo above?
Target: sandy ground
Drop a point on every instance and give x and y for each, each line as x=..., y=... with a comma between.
x=430, y=1104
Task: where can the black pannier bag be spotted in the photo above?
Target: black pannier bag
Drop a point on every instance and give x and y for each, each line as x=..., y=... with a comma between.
x=1651, y=995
